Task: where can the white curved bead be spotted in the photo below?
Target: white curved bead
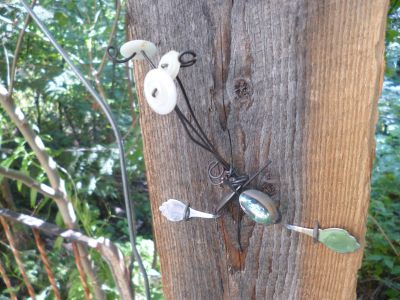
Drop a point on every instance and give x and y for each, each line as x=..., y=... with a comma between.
x=160, y=91
x=138, y=46
x=170, y=63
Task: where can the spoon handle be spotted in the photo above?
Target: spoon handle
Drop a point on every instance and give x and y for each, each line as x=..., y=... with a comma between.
x=307, y=231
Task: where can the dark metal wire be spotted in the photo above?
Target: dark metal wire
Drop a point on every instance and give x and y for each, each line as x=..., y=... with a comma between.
x=316, y=232
x=219, y=170
x=230, y=196
x=215, y=179
x=190, y=62
x=201, y=131
x=225, y=174
x=107, y=111
x=205, y=143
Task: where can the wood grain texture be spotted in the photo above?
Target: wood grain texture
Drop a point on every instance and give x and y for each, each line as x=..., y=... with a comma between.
x=300, y=81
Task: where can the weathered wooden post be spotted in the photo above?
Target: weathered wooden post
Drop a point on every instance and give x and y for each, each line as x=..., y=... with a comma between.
x=300, y=76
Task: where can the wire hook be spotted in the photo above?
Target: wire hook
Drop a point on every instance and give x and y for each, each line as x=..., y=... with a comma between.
x=113, y=54
x=190, y=62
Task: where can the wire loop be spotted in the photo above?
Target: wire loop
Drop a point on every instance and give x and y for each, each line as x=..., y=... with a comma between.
x=190, y=62
x=186, y=215
x=113, y=54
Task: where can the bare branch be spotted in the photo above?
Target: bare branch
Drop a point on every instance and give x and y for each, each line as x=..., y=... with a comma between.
x=112, y=34
x=30, y=182
x=7, y=63
x=95, y=75
x=17, y=50
x=56, y=182
x=6, y=193
x=17, y=257
x=36, y=144
x=110, y=253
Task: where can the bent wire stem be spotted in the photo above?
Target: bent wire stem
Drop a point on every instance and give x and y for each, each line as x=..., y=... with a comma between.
x=107, y=111
x=204, y=142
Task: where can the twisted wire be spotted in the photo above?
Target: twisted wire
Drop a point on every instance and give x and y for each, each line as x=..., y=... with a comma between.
x=46, y=263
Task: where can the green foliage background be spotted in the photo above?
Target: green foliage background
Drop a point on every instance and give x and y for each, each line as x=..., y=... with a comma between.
x=81, y=141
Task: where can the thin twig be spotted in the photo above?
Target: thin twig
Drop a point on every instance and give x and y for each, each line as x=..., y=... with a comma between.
x=17, y=50
x=7, y=63
x=7, y=282
x=131, y=96
x=384, y=235
x=111, y=37
x=155, y=256
x=7, y=195
x=45, y=260
x=17, y=257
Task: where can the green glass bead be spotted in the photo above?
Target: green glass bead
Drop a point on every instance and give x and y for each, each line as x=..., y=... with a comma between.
x=338, y=240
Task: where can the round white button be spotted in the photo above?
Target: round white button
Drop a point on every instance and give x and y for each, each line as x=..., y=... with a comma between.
x=137, y=46
x=170, y=63
x=160, y=91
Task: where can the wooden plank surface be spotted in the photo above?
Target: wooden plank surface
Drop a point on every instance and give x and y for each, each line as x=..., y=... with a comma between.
x=300, y=81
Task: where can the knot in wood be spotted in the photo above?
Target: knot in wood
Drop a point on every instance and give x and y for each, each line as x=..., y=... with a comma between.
x=242, y=88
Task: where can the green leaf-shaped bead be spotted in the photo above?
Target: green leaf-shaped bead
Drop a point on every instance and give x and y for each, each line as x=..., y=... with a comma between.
x=338, y=240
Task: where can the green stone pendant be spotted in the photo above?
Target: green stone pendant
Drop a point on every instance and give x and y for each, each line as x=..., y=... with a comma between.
x=259, y=207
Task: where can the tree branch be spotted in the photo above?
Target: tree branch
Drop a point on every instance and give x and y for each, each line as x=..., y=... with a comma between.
x=57, y=183
x=7, y=63
x=110, y=253
x=30, y=182
x=112, y=34
x=17, y=50
x=6, y=193
x=36, y=144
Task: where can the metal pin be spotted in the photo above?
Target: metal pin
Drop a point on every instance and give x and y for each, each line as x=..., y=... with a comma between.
x=336, y=239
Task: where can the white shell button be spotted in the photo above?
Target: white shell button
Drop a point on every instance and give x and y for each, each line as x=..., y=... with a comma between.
x=160, y=91
x=170, y=63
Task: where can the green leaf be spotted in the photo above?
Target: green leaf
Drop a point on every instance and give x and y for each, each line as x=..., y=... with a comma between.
x=33, y=197
x=61, y=18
